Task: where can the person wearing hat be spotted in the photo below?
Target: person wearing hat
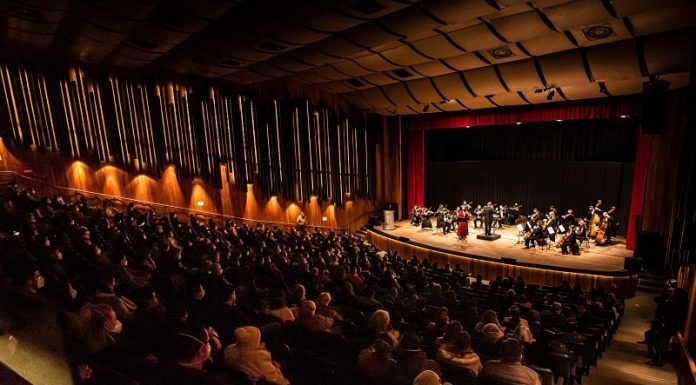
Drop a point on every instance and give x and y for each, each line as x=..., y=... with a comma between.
x=509, y=369
x=250, y=356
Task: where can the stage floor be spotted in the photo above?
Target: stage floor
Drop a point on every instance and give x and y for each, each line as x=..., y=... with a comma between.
x=600, y=259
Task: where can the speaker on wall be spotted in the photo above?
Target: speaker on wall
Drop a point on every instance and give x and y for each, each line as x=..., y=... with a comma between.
x=653, y=111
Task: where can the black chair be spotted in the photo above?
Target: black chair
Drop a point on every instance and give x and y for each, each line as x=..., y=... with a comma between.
x=545, y=374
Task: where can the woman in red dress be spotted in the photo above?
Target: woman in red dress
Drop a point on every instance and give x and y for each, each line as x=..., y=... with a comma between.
x=462, y=223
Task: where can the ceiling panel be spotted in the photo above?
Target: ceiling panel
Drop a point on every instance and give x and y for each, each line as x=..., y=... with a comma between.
x=616, y=61
x=454, y=12
x=399, y=94
x=484, y=81
x=451, y=86
x=464, y=62
x=577, y=13
x=475, y=38
x=659, y=52
x=549, y=43
x=522, y=26
x=520, y=75
x=563, y=68
x=432, y=68
x=424, y=89
x=437, y=47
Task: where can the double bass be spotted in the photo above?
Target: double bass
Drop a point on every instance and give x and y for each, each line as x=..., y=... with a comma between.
x=601, y=238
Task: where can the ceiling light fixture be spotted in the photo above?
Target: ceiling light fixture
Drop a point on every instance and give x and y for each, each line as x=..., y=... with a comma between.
x=426, y=108
x=444, y=101
x=551, y=94
x=603, y=88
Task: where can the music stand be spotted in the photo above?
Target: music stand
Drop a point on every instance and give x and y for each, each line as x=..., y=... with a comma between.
x=520, y=233
x=561, y=229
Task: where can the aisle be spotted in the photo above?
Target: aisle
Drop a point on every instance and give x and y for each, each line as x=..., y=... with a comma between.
x=623, y=362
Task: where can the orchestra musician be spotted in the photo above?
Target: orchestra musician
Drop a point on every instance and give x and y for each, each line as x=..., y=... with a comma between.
x=440, y=216
x=569, y=242
x=415, y=215
x=533, y=236
x=466, y=206
x=535, y=216
x=607, y=229
x=463, y=217
x=425, y=216
x=568, y=218
x=448, y=223
x=478, y=216
x=514, y=213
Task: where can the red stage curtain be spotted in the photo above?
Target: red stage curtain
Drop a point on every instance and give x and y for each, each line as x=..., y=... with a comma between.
x=415, y=127
x=595, y=109
x=640, y=177
x=415, y=155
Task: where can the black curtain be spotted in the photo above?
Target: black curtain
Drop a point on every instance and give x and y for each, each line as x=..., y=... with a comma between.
x=566, y=164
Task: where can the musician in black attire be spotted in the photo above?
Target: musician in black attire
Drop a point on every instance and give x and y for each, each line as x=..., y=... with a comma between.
x=415, y=215
x=568, y=219
x=533, y=236
x=488, y=217
x=478, y=218
x=570, y=242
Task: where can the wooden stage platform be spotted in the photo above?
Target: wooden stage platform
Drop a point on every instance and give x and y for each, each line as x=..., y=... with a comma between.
x=596, y=265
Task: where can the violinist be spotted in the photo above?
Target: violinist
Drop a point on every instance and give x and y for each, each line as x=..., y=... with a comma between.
x=415, y=215
x=568, y=218
x=478, y=216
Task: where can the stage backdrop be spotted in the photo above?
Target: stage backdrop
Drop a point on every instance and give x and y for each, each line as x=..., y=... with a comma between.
x=566, y=164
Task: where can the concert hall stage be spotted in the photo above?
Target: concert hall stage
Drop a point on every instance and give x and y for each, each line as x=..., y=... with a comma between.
x=596, y=265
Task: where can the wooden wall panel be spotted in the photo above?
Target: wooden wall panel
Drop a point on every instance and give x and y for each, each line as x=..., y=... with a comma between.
x=178, y=192
x=663, y=169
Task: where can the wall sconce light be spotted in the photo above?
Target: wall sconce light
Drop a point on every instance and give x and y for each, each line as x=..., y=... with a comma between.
x=200, y=203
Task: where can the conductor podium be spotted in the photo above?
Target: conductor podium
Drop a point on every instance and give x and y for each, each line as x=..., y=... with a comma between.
x=485, y=237
x=388, y=220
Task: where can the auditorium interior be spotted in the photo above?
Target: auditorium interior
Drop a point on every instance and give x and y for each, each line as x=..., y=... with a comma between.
x=310, y=192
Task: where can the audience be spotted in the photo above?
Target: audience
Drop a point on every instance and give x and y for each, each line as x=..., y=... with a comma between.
x=151, y=298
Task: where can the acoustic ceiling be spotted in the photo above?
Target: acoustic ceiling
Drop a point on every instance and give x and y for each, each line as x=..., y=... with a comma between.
x=386, y=56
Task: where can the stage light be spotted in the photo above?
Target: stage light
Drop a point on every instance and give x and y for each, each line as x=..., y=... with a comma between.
x=200, y=203
x=551, y=94
x=324, y=219
x=603, y=88
x=518, y=123
x=559, y=120
x=444, y=101
x=623, y=116
x=467, y=126
x=426, y=108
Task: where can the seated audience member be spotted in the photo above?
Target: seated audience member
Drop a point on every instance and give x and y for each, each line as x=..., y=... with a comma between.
x=408, y=360
x=277, y=308
x=489, y=317
x=509, y=369
x=492, y=333
x=372, y=361
x=190, y=350
x=380, y=324
x=459, y=353
x=453, y=329
x=308, y=318
x=324, y=307
x=251, y=357
x=428, y=377
x=95, y=327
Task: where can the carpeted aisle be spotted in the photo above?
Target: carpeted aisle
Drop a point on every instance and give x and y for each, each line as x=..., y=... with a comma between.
x=624, y=360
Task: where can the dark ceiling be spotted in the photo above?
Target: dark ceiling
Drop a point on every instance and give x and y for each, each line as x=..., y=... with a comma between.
x=388, y=56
